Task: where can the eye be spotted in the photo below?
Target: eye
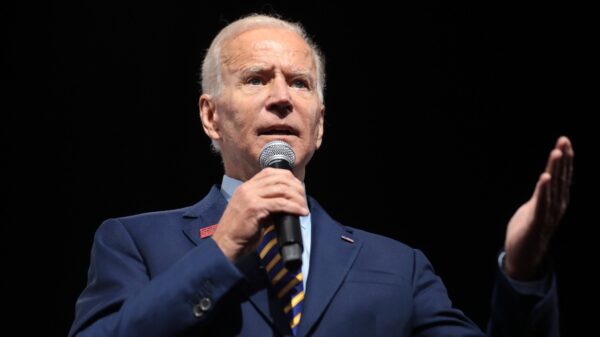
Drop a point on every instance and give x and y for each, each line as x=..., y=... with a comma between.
x=254, y=80
x=300, y=83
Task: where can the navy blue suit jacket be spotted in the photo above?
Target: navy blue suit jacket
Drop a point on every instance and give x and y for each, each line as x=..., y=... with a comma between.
x=149, y=272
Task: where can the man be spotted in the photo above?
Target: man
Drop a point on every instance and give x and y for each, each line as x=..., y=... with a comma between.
x=204, y=270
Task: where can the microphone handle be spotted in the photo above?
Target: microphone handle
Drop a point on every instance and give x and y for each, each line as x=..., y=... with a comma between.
x=289, y=235
x=290, y=239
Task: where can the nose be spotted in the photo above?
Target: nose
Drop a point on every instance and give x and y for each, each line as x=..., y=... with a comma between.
x=280, y=101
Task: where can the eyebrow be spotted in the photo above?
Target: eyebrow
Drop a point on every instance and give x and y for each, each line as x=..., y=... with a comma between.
x=261, y=69
x=255, y=69
x=301, y=73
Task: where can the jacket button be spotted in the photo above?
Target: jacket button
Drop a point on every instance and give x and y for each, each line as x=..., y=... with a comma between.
x=202, y=307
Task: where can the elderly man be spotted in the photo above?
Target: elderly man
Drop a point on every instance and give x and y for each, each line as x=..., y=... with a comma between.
x=213, y=269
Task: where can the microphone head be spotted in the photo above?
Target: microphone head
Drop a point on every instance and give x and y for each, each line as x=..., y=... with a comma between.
x=275, y=151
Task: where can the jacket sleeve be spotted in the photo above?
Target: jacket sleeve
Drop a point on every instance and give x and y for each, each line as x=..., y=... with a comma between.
x=518, y=315
x=433, y=314
x=121, y=300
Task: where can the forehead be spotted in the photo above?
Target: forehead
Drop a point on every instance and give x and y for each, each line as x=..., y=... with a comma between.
x=267, y=47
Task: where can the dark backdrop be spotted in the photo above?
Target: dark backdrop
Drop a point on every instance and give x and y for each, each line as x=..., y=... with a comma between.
x=439, y=120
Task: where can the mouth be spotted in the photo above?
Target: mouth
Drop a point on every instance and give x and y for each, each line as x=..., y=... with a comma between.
x=278, y=130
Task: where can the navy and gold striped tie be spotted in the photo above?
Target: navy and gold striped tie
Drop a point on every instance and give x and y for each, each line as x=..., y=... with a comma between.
x=287, y=284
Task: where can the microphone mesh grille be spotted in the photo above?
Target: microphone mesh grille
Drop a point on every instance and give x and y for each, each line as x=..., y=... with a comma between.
x=276, y=150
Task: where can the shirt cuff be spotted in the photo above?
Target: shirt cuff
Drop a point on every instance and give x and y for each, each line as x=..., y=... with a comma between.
x=537, y=287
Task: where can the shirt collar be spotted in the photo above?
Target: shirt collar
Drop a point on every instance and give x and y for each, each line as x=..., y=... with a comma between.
x=229, y=185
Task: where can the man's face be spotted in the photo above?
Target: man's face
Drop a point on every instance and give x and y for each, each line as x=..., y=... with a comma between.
x=269, y=93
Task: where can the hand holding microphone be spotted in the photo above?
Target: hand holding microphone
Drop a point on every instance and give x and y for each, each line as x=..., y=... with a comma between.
x=271, y=193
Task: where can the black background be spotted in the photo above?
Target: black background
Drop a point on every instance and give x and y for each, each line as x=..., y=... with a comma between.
x=440, y=117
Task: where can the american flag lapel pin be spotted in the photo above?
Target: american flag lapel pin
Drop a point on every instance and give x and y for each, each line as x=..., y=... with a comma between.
x=347, y=239
x=207, y=231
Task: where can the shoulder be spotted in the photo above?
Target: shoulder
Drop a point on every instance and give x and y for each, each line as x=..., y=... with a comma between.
x=369, y=241
x=165, y=221
x=382, y=254
x=378, y=241
x=384, y=247
x=157, y=218
x=377, y=252
x=157, y=223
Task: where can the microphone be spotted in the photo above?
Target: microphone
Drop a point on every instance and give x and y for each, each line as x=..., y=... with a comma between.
x=279, y=154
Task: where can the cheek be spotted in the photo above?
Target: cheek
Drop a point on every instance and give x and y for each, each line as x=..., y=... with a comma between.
x=237, y=117
x=244, y=110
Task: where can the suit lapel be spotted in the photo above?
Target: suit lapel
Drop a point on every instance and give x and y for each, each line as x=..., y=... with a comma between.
x=205, y=213
x=331, y=258
x=208, y=212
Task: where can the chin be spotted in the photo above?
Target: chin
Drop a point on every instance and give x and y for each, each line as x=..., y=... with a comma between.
x=285, y=138
x=292, y=140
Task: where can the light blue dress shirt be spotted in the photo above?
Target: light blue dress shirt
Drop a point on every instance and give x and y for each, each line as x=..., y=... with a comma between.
x=229, y=185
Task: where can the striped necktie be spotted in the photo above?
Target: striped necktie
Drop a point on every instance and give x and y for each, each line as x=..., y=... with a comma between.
x=286, y=284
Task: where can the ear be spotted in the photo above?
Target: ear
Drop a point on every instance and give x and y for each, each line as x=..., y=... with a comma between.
x=320, y=126
x=209, y=117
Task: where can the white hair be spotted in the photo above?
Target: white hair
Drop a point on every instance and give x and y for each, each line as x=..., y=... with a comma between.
x=212, y=66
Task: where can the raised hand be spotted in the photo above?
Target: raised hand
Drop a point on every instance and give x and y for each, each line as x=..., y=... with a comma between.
x=531, y=227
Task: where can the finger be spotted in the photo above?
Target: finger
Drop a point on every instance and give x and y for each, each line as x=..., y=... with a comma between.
x=280, y=187
x=277, y=185
x=275, y=205
x=273, y=183
x=565, y=182
x=269, y=172
x=553, y=170
x=563, y=142
x=569, y=176
x=269, y=175
x=557, y=181
x=564, y=145
x=541, y=198
x=561, y=177
x=552, y=159
x=279, y=191
x=567, y=149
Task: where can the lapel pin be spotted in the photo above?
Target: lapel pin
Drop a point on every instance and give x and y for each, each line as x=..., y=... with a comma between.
x=207, y=231
x=348, y=239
